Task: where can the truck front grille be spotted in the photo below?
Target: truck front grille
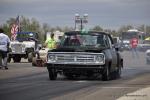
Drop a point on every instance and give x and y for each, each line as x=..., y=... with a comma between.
x=85, y=58
x=74, y=58
x=17, y=48
x=64, y=58
x=77, y=58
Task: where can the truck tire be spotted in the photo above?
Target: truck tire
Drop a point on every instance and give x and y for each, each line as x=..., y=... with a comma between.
x=117, y=73
x=30, y=57
x=52, y=73
x=9, y=60
x=34, y=61
x=106, y=76
x=33, y=64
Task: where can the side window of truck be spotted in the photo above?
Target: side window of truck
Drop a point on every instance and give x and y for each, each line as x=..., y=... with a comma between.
x=107, y=41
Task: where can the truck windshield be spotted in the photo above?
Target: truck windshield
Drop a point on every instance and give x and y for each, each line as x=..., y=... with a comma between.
x=83, y=40
x=25, y=36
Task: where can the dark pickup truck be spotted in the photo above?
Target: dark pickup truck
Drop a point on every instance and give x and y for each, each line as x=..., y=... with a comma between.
x=85, y=53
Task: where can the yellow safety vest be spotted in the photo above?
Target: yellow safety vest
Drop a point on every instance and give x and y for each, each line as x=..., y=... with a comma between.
x=51, y=43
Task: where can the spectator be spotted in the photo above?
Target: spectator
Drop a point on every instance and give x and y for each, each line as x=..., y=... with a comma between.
x=134, y=43
x=75, y=41
x=4, y=44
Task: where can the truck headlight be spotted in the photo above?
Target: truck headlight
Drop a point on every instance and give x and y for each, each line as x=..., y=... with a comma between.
x=51, y=58
x=12, y=45
x=100, y=59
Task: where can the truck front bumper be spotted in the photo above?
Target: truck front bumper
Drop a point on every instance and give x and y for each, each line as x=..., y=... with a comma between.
x=73, y=66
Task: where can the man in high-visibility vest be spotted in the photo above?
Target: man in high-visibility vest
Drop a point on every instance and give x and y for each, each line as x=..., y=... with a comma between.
x=50, y=42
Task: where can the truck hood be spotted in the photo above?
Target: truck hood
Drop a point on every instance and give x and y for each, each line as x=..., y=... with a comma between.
x=26, y=43
x=78, y=49
x=29, y=43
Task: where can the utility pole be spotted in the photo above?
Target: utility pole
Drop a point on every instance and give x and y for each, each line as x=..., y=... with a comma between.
x=81, y=21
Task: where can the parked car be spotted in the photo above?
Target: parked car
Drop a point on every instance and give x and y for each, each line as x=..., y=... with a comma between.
x=85, y=53
x=125, y=45
x=148, y=56
x=144, y=46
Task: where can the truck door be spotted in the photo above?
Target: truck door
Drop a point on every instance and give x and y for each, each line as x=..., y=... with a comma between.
x=113, y=51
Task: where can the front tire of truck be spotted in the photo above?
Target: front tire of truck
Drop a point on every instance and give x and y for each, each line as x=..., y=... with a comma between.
x=8, y=59
x=34, y=61
x=52, y=73
x=30, y=57
x=106, y=74
x=117, y=73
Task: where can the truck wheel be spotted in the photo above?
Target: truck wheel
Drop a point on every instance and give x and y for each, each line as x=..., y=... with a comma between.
x=34, y=61
x=30, y=56
x=106, y=74
x=117, y=73
x=33, y=64
x=9, y=60
x=52, y=73
x=17, y=59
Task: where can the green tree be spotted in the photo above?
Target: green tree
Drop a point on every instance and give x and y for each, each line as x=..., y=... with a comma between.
x=24, y=24
x=114, y=33
x=141, y=28
x=125, y=28
x=66, y=29
x=46, y=28
x=6, y=29
x=7, y=26
x=97, y=28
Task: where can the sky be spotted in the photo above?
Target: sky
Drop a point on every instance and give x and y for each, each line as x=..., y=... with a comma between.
x=109, y=14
